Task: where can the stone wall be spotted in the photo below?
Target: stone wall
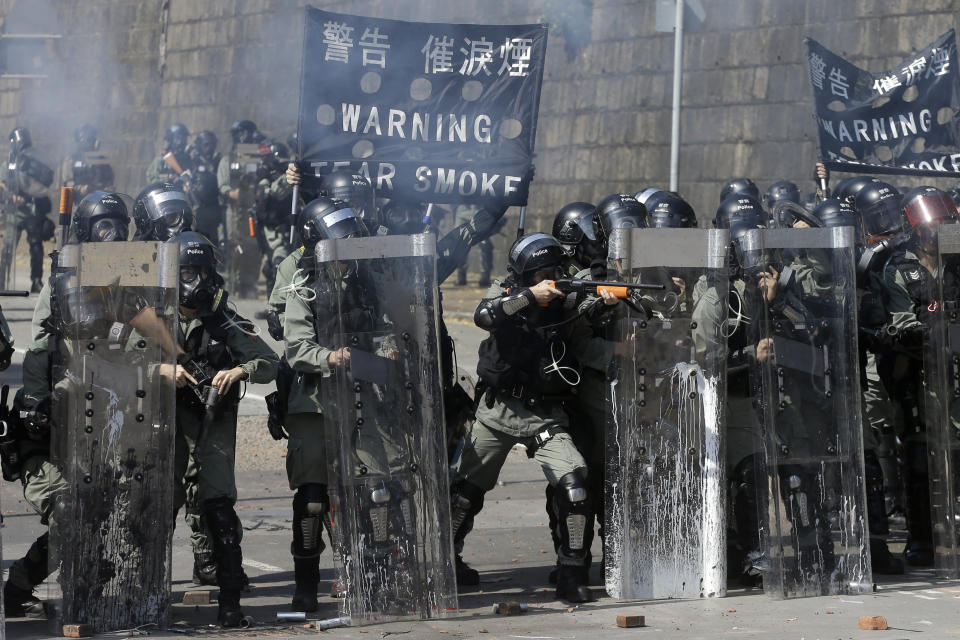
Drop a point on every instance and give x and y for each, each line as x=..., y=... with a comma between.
x=132, y=67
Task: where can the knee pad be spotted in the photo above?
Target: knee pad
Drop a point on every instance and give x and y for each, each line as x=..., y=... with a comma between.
x=466, y=501
x=310, y=504
x=574, y=513
x=222, y=521
x=572, y=488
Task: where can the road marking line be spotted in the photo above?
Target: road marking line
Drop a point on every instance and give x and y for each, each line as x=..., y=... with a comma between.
x=254, y=396
x=262, y=566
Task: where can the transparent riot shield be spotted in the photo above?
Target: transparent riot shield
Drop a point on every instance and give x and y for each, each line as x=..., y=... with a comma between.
x=8, y=243
x=113, y=425
x=383, y=412
x=942, y=378
x=665, y=493
x=806, y=383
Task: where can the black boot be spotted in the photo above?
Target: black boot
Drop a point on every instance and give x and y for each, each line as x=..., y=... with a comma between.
x=25, y=574
x=20, y=603
x=466, y=501
x=919, y=550
x=36, y=285
x=204, y=569
x=307, y=575
x=229, y=613
x=466, y=575
x=226, y=533
x=571, y=585
x=882, y=561
x=310, y=507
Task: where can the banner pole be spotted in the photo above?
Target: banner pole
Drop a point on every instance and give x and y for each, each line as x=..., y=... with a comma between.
x=677, y=87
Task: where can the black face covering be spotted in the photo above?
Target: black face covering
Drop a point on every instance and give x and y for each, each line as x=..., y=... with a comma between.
x=200, y=290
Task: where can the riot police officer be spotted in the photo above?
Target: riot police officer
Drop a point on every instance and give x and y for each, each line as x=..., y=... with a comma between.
x=161, y=211
x=203, y=190
x=173, y=162
x=22, y=181
x=239, y=175
x=99, y=217
x=84, y=170
x=222, y=346
x=910, y=296
x=527, y=367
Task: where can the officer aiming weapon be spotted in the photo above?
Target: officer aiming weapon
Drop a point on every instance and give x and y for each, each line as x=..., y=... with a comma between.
x=593, y=287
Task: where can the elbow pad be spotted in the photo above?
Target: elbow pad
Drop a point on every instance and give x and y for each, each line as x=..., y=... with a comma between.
x=492, y=312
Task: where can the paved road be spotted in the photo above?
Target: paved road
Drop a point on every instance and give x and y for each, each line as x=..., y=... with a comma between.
x=511, y=547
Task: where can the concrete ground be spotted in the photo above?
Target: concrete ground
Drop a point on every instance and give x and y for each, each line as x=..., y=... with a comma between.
x=510, y=545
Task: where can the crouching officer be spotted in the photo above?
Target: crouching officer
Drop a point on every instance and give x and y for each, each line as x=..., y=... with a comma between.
x=220, y=350
x=527, y=368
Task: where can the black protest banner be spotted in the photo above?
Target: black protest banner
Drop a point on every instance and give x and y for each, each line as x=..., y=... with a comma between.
x=900, y=121
x=429, y=112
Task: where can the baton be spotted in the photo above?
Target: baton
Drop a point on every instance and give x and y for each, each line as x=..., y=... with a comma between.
x=426, y=217
x=5, y=293
x=523, y=219
x=293, y=211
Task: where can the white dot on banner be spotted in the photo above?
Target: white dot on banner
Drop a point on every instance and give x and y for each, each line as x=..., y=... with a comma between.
x=363, y=149
x=420, y=89
x=911, y=94
x=472, y=90
x=944, y=115
x=326, y=114
x=918, y=145
x=848, y=152
x=879, y=102
x=413, y=153
x=511, y=128
x=884, y=153
x=370, y=82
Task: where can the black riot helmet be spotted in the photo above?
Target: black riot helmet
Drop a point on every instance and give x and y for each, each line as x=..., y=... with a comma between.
x=354, y=189
x=533, y=254
x=100, y=217
x=782, y=190
x=833, y=212
x=848, y=188
x=403, y=217
x=280, y=152
x=878, y=205
x=668, y=211
x=328, y=219
x=573, y=229
x=161, y=211
x=645, y=195
x=243, y=132
x=927, y=207
x=739, y=206
x=201, y=287
x=739, y=227
x=20, y=139
x=617, y=211
x=206, y=143
x=740, y=185
x=86, y=137
x=176, y=137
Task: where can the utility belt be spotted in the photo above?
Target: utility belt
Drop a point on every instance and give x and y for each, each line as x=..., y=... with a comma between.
x=531, y=398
